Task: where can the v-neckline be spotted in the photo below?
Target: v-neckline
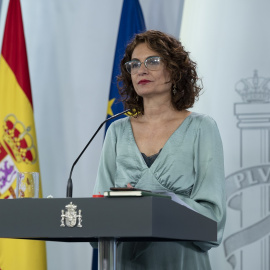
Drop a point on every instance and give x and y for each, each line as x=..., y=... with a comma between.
x=164, y=146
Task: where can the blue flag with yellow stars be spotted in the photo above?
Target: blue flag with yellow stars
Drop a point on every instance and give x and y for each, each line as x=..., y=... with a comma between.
x=131, y=23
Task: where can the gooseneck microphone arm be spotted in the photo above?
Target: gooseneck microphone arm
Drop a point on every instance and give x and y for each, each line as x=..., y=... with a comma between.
x=69, y=184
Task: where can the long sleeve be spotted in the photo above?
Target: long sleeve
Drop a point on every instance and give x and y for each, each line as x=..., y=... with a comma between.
x=107, y=163
x=208, y=193
x=106, y=169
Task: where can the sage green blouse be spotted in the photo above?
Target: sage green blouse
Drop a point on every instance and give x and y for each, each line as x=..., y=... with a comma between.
x=191, y=165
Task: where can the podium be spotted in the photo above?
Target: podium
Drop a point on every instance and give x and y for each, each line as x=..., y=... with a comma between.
x=103, y=220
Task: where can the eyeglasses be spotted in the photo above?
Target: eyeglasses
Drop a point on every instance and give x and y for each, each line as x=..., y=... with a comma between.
x=151, y=63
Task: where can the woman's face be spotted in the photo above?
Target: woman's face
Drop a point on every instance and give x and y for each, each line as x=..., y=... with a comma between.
x=147, y=82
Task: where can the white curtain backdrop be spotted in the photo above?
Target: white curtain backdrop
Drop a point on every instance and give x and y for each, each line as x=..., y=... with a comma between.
x=230, y=41
x=70, y=47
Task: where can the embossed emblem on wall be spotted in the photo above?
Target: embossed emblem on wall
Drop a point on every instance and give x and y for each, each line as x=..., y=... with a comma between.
x=248, y=189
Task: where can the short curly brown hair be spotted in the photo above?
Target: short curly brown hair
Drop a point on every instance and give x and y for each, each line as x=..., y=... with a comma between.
x=181, y=68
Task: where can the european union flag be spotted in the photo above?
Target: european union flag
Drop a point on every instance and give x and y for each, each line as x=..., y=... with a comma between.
x=131, y=23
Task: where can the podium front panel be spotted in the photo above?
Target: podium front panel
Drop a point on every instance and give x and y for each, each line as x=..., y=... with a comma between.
x=125, y=218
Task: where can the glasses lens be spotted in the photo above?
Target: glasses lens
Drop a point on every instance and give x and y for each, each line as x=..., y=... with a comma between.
x=133, y=66
x=153, y=62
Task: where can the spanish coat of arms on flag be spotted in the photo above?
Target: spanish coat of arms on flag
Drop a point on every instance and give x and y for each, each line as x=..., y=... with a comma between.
x=18, y=145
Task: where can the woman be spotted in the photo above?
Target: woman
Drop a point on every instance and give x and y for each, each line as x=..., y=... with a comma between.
x=163, y=146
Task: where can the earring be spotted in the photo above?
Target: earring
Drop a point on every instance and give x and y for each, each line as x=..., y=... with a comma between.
x=137, y=98
x=174, y=90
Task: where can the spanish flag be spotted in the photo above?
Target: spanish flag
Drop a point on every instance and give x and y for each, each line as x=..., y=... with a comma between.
x=18, y=145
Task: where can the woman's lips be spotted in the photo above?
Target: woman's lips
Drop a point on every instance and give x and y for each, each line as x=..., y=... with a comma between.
x=144, y=82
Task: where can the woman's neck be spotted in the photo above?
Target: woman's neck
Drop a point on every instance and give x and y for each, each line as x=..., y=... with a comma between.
x=159, y=113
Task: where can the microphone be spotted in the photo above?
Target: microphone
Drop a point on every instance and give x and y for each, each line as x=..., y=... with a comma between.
x=69, y=183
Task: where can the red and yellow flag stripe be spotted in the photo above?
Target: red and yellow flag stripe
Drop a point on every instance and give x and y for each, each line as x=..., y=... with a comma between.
x=18, y=145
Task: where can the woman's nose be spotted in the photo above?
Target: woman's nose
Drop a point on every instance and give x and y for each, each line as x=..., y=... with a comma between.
x=143, y=69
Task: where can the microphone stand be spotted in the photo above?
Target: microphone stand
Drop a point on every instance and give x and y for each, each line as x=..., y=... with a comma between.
x=70, y=184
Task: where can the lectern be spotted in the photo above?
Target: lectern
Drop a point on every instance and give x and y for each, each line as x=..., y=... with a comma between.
x=103, y=220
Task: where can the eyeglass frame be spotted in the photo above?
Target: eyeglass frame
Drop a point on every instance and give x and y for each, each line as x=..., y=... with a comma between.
x=144, y=62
